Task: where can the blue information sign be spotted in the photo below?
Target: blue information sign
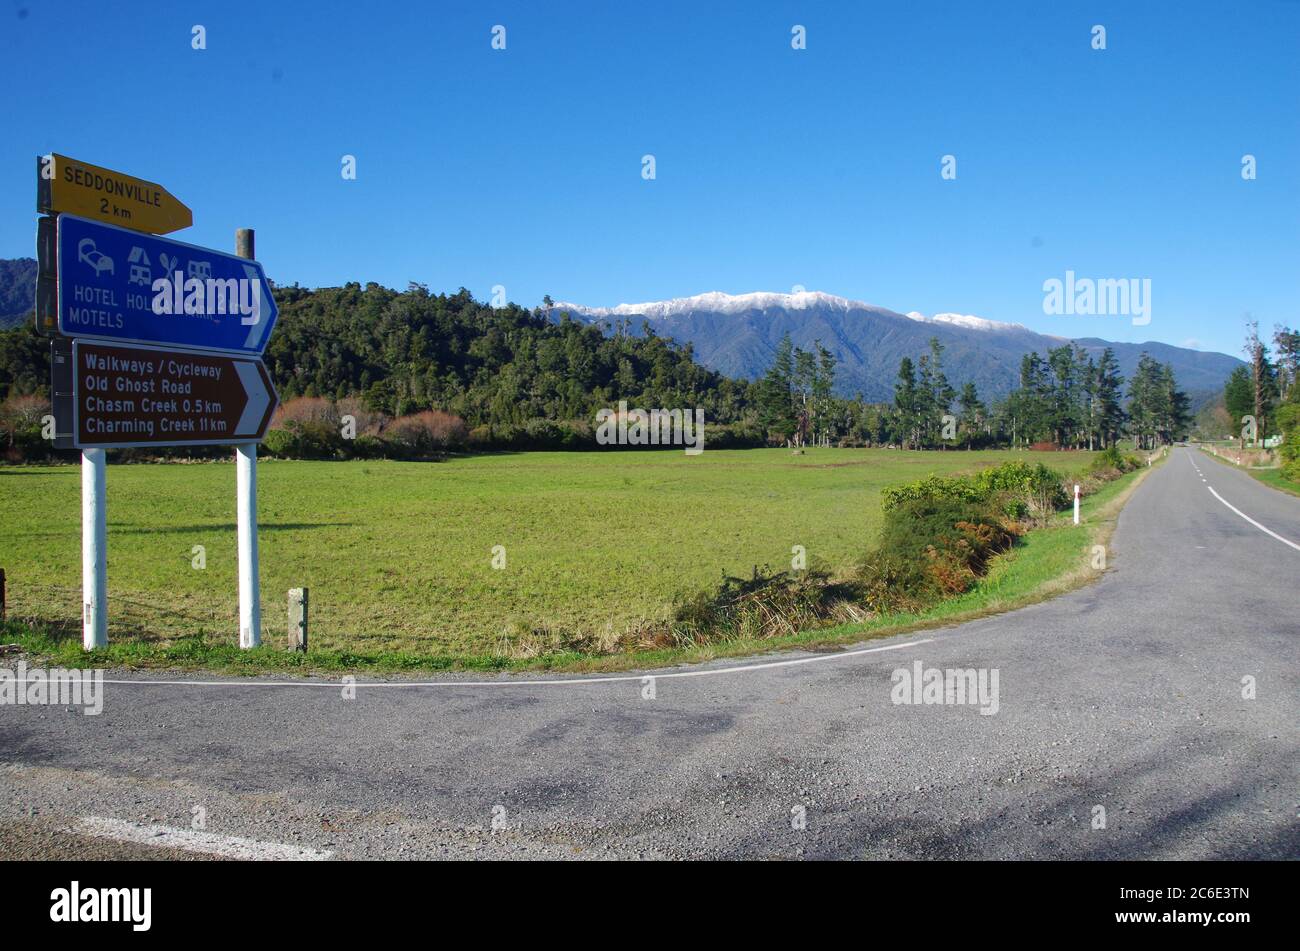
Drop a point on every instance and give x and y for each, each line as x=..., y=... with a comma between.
x=115, y=284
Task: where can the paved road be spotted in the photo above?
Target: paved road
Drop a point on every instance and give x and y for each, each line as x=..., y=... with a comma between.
x=1125, y=695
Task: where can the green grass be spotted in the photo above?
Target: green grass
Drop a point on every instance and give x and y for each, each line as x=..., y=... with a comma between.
x=1275, y=478
x=1270, y=477
x=398, y=555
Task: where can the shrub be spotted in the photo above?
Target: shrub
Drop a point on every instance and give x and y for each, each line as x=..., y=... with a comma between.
x=542, y=434
x=305, y=409
x=368, y=421
x=366, y=446
x=428, y=431
x=1288, y=421
x=933, y=489
x=20, y=427
x=279, y=442
x=318, y=440
x=930, y=549
x=481, y=437
x=1018, y=483
x=734, y=436
x=767, y=604
x=1110, y=462
x=1017, y=488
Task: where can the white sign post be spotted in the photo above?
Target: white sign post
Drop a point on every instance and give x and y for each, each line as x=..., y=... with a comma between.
x=1076, y=505
x=94, y=550
x=250, y=592
x=250, y=602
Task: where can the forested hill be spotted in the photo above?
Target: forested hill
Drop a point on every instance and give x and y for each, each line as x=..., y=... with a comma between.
x=411, y=350
x=17, y=289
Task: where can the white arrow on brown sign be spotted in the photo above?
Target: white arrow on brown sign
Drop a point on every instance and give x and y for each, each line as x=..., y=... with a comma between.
x=128, y=396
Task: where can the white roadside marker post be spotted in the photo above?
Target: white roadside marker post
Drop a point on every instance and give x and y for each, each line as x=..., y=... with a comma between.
x=298, y=619
x=250, y=605
x=94, y=550
x=1076, y=504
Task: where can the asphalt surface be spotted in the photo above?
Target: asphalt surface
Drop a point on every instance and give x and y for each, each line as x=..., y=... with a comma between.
x=1124, y=696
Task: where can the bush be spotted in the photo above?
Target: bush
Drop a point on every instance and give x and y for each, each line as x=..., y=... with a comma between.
x=1016, y=488
x=425, y=432
x=366, y=446
x=367, y=421
x=1110, y=462
x=20, y=428
x=305, y=409
x=534, y=435
x=930, y=550
x=279, y=442
x=481, y=438
x=1288, y=421
x=767, y=604
x=305, y=440
x=933, y=489
x=734, y=436
x=1023, y=484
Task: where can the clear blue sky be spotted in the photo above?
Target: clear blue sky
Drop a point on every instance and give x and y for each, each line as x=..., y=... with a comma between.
x=775, y=167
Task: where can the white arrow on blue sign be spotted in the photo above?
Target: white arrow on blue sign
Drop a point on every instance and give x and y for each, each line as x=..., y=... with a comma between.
x=116, y=284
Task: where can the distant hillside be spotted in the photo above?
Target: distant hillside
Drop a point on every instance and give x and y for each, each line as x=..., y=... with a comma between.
x=737, y=335
x=17, y=290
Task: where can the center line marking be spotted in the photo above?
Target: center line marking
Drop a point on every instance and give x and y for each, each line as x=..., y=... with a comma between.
x=190, y=840
x=1266, y=531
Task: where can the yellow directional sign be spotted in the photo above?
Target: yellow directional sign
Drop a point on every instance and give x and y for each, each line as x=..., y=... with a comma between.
x=65, y=184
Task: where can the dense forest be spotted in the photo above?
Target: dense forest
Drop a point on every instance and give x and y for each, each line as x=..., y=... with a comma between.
x=419, y=371
x=1065, y=400
x=415, y=350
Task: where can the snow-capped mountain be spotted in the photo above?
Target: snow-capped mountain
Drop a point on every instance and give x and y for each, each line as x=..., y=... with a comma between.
x=737, y=334
x=720, y=303
x=969, y=321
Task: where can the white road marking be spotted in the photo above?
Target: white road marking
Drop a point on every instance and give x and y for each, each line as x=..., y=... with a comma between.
x=524, y=682
x=191, y=840
x=1266, y=531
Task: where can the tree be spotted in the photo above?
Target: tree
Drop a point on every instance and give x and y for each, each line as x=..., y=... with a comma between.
x=1144, y=401
x=776, y=393
x=905, y=401
x=1175, y=409
x=1158, y=411
x=805, y=374
x=1027, y=408
x=1262, y=377
x=1063, y=403
x=1239, y=399
x=823, y=383
x=1287, y=344
x=934, y=395
x=1107, y=413
x=974, y=415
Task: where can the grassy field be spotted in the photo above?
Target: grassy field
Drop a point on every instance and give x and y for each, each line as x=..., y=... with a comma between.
x=398, y=556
